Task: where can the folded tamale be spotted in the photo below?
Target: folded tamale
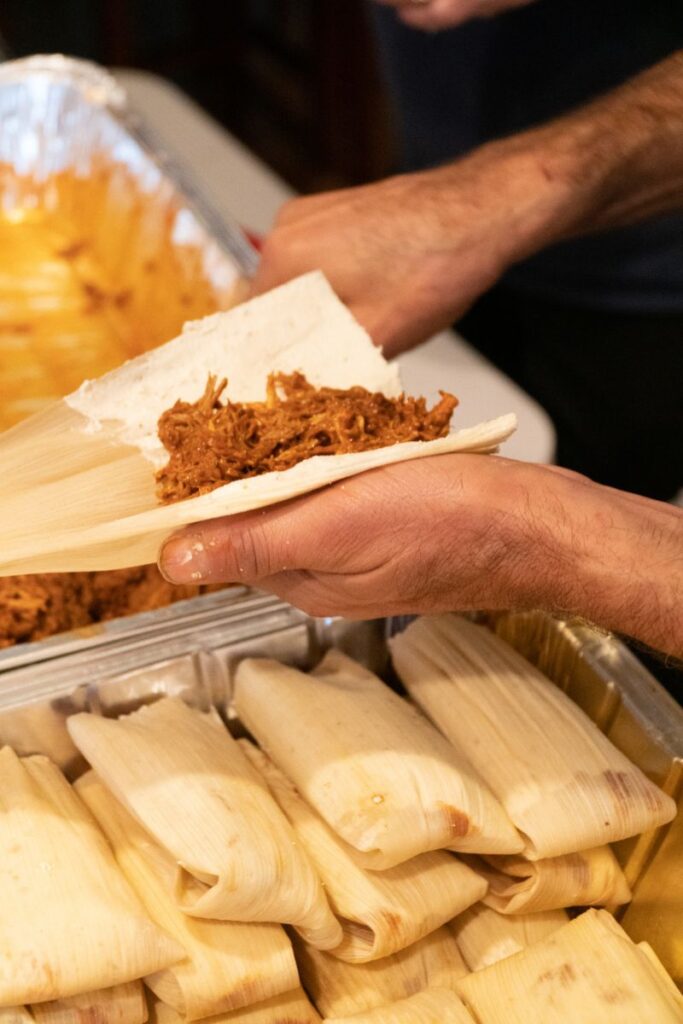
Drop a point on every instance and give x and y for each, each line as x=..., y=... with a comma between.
x=290, y=1008
x=433, y=1006
x=588, y=971
x=380, y=775
x=586, y=879
x=183, y=776
x=562, y=782
x=122, y=1004
x=228, y=965
x=484, y=936
x=340, y=989
x=380, y=911
x=70, y=921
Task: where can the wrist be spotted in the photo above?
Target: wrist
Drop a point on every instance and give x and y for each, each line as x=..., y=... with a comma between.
x=613, y=162
x=613, y=558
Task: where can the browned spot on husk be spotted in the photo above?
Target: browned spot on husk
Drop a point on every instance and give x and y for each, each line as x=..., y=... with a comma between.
x=564, y=974
x=458, y=822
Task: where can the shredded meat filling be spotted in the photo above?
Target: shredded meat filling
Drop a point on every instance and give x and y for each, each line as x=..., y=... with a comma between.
x=33, y=607
x=211, y=443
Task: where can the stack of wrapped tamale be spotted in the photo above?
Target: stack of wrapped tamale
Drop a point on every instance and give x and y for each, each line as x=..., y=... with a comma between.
x=421, y=868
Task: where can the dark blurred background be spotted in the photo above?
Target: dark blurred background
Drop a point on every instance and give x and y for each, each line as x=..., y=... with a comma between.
x=295, y=80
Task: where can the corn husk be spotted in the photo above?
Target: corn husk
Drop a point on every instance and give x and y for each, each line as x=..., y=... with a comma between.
x=378, y=773
x=340, y=989
x=562, y=782
x=78, y=478
x=228, y=965
x=70, y=923
x=484, y=936
x=182, y=775
x=433, y=1006
x=588, y=971
x=290, y=1008
x=586, y=879
x=123, y=1004
x=380, y=911
x=15, y=1015
x=661, y=972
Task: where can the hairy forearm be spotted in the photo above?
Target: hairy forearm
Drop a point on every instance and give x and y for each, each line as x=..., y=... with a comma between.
x=613, y=162
x=613, y=558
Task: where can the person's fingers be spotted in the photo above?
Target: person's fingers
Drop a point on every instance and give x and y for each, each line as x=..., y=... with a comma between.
x=284, y=255
x=437, y=14
x=305, y=533
x=300, y=207
x=322, y=594
x=242, y=549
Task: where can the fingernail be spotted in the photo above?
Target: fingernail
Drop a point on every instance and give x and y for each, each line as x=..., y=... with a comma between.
x=184, y=559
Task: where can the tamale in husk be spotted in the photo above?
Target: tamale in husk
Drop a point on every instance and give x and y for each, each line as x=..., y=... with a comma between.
x=78, y=477
x=122, y=1004
x=562, y=782
x=289, y=1008
x=433, y=1006
x=380, y=911
x=378, y=773
x=70, y=921
x=340, y=989
x=183, y=776
x=588, y=970
x=589, y=878
x=484, y=936
x=228, y=965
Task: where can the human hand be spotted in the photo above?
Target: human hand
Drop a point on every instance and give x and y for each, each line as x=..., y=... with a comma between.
x=455, y=532
x=409, y=254
x=433, y=15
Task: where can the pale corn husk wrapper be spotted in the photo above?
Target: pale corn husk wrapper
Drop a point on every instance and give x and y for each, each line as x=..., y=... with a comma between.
x=378, y=773
x=484, y=936
x=15, y=1015
x=662, y=974
x=184, y=778
x=586, y=879
x=340, y=989
x=123, y=1004
x=380, y=912
x=79, y=478
x=227, y=965
x=290, y=1008
x=433, y=1006
x=562, y=782
x=588, y=971
x=70, y=921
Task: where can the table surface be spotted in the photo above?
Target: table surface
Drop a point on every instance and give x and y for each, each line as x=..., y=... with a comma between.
x=243, y=188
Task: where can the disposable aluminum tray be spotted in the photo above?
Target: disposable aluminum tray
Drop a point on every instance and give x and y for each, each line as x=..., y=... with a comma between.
x=193, y=657
x=106, y=247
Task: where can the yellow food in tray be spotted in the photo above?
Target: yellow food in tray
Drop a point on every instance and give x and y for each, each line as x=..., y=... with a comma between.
x=92, y=272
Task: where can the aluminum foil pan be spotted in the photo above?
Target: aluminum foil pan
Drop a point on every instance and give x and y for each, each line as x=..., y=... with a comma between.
x=107, y=247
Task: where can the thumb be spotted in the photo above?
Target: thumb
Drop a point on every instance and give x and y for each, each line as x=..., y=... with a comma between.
x=236, y=549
